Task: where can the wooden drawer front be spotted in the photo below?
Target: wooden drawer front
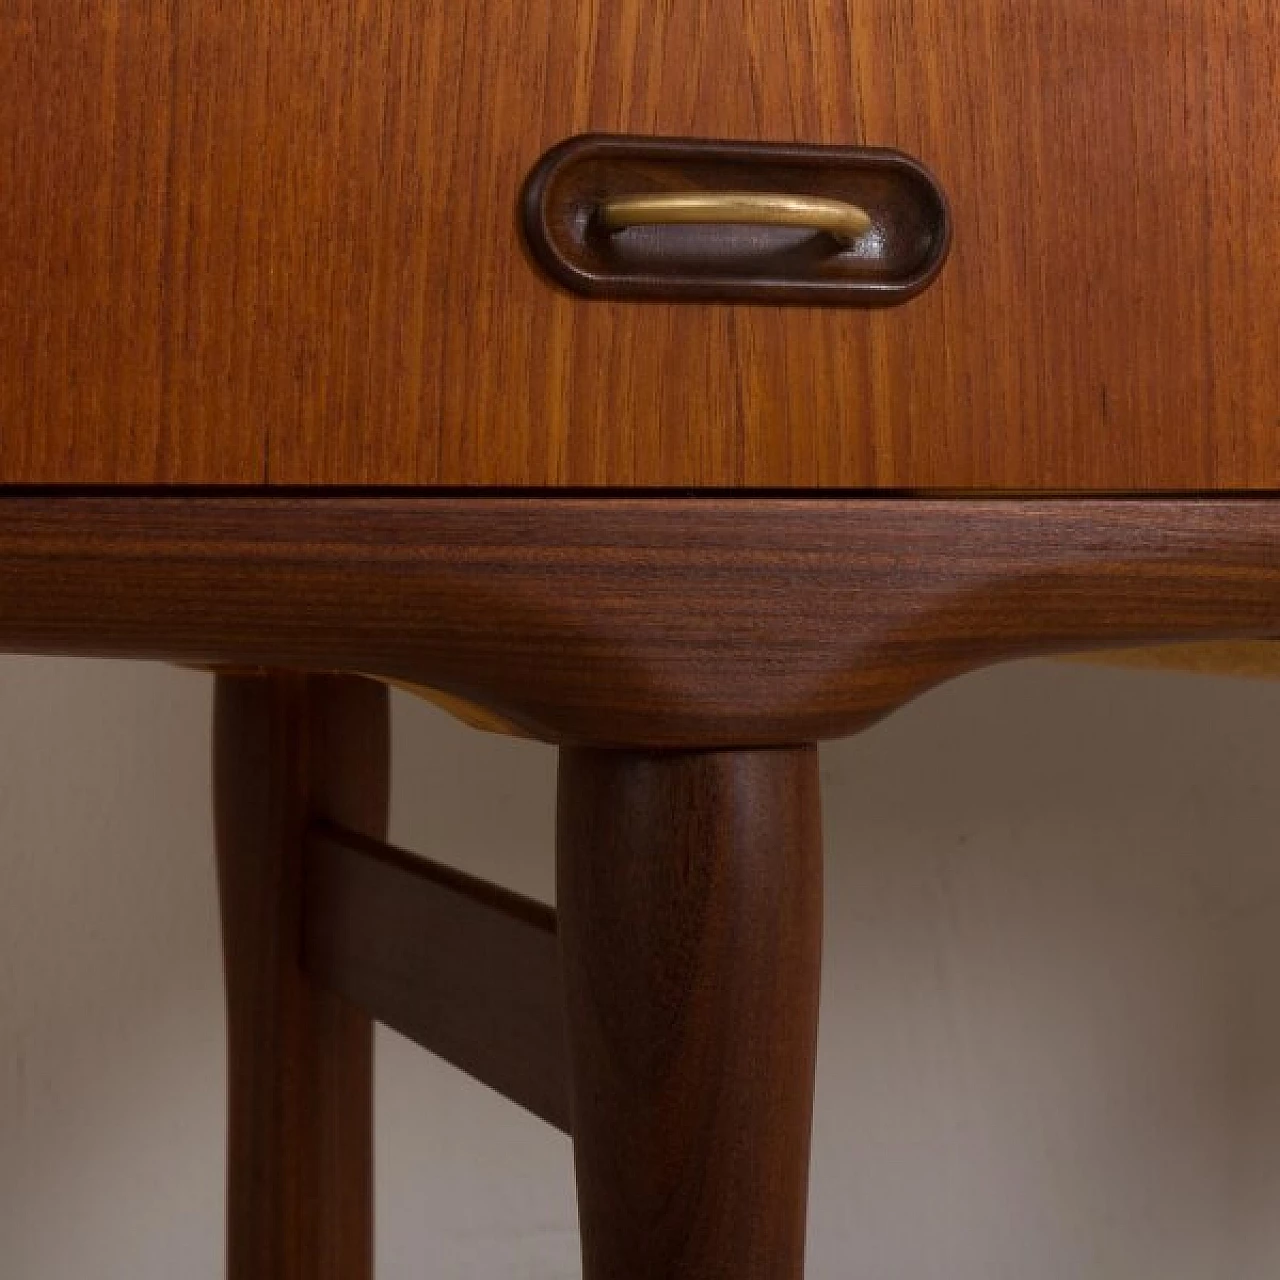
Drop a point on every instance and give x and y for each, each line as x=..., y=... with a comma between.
x=248, y=242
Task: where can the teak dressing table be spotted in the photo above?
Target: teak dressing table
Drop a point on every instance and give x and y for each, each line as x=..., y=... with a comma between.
x=681, y=384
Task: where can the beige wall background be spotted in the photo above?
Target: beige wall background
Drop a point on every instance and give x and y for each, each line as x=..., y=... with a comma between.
x=1051, y=1037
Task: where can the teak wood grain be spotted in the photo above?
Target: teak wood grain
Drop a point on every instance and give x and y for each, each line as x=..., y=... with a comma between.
x=637, y=622
x=251, y=243
x=465, y=969
x=690, y=896
x=288, y=748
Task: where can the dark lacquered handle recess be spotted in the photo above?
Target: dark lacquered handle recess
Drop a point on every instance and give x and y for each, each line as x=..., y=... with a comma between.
x=674, y=219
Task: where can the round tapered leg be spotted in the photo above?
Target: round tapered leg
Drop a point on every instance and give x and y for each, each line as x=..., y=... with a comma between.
x=690, y=910
x=299, y=1189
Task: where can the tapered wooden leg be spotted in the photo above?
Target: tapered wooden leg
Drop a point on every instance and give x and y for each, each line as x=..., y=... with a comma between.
x=299, y=1198
x=690, y=909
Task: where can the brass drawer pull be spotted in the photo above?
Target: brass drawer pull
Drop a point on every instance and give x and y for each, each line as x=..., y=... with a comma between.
x=687, y=220
x=846, y=222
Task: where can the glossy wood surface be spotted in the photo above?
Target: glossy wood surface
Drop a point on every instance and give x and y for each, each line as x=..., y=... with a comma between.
x=690, y=897
x=465, y=969
x=300, y=1145
x=278, y=243
x=640, y=622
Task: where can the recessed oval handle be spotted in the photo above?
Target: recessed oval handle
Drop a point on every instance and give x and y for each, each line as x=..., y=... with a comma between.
x=673, y=219
x=846, y=222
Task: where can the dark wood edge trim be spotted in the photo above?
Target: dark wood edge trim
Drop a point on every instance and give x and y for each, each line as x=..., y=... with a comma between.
x=647, y=622
x=462, y=968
